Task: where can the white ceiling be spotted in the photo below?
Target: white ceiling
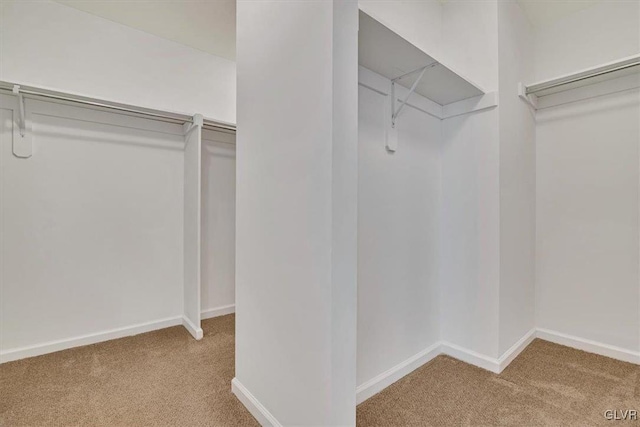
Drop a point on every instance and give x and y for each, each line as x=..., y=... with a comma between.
x=546, y=12
x=207, y=25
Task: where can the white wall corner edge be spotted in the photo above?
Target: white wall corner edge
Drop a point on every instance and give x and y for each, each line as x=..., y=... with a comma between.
x=515, y=350
x=82, y=340
x=223, y=310
x=471, y=357
x=589, y=346
x=259, y=412
x=390, y=376
x=492, y=364
x=195, y=331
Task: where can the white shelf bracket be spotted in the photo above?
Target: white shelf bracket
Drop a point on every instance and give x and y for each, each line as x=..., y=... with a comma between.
x=21, y=136
x=394, y=116
x=392, y=132
x=532, y=100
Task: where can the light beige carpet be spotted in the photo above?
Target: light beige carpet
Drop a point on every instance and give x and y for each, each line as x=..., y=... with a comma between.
x=165, y=378
x=162, y=378
x=547, y=385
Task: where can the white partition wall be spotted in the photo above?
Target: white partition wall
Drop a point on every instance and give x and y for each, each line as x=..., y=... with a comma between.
x=297, y=211
x=517, y=179
x=192, y=225
x=218, y=223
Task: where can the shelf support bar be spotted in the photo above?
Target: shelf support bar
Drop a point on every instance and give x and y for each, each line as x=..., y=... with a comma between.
x=391, y=136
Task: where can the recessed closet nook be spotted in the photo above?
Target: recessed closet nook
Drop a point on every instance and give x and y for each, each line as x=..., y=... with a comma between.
x=410, y=179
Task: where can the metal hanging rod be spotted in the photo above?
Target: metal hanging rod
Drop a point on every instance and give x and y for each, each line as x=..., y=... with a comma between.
x=536, y=88
x=140, y=111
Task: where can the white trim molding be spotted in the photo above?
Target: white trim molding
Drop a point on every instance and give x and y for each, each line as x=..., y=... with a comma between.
x=385, y=379
x=82, y=340
x=515, y=350
x=589, y=346
x=390, y=376
x=259, y=412
x=112, y=334
x=217, y=311
x=471, y=357
x=195, y=331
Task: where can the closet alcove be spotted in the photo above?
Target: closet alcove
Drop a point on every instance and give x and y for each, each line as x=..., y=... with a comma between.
x=143, y=205
x=405, y=98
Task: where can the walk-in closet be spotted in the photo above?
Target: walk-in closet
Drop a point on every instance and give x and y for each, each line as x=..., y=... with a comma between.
x=323, y=213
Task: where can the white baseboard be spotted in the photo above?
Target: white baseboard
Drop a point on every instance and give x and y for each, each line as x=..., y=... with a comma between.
x=590, y=346
x=259, y=412
x=194, y=330
x=53, y=346
x=495, y=365
x=112, y=334
x=385, y=379
x=509, y=355
x=217, y=311
x=471, y=357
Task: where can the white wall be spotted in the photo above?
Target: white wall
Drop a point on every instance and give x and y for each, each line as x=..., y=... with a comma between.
x=470, y=214
x=46, y=44
x=91, y=226
x=398, y=214
x=470, y=232
x=587, y=219
x=344, y=210
x=607, y=31
x=470, y=40
x=517, y=177
x=296, y=211
x=218, y=222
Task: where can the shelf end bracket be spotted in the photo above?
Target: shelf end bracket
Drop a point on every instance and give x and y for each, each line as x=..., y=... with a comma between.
x=22, y=146
x=392, y=132
x=197, y=120
x=530, y=99
x=395, y=112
